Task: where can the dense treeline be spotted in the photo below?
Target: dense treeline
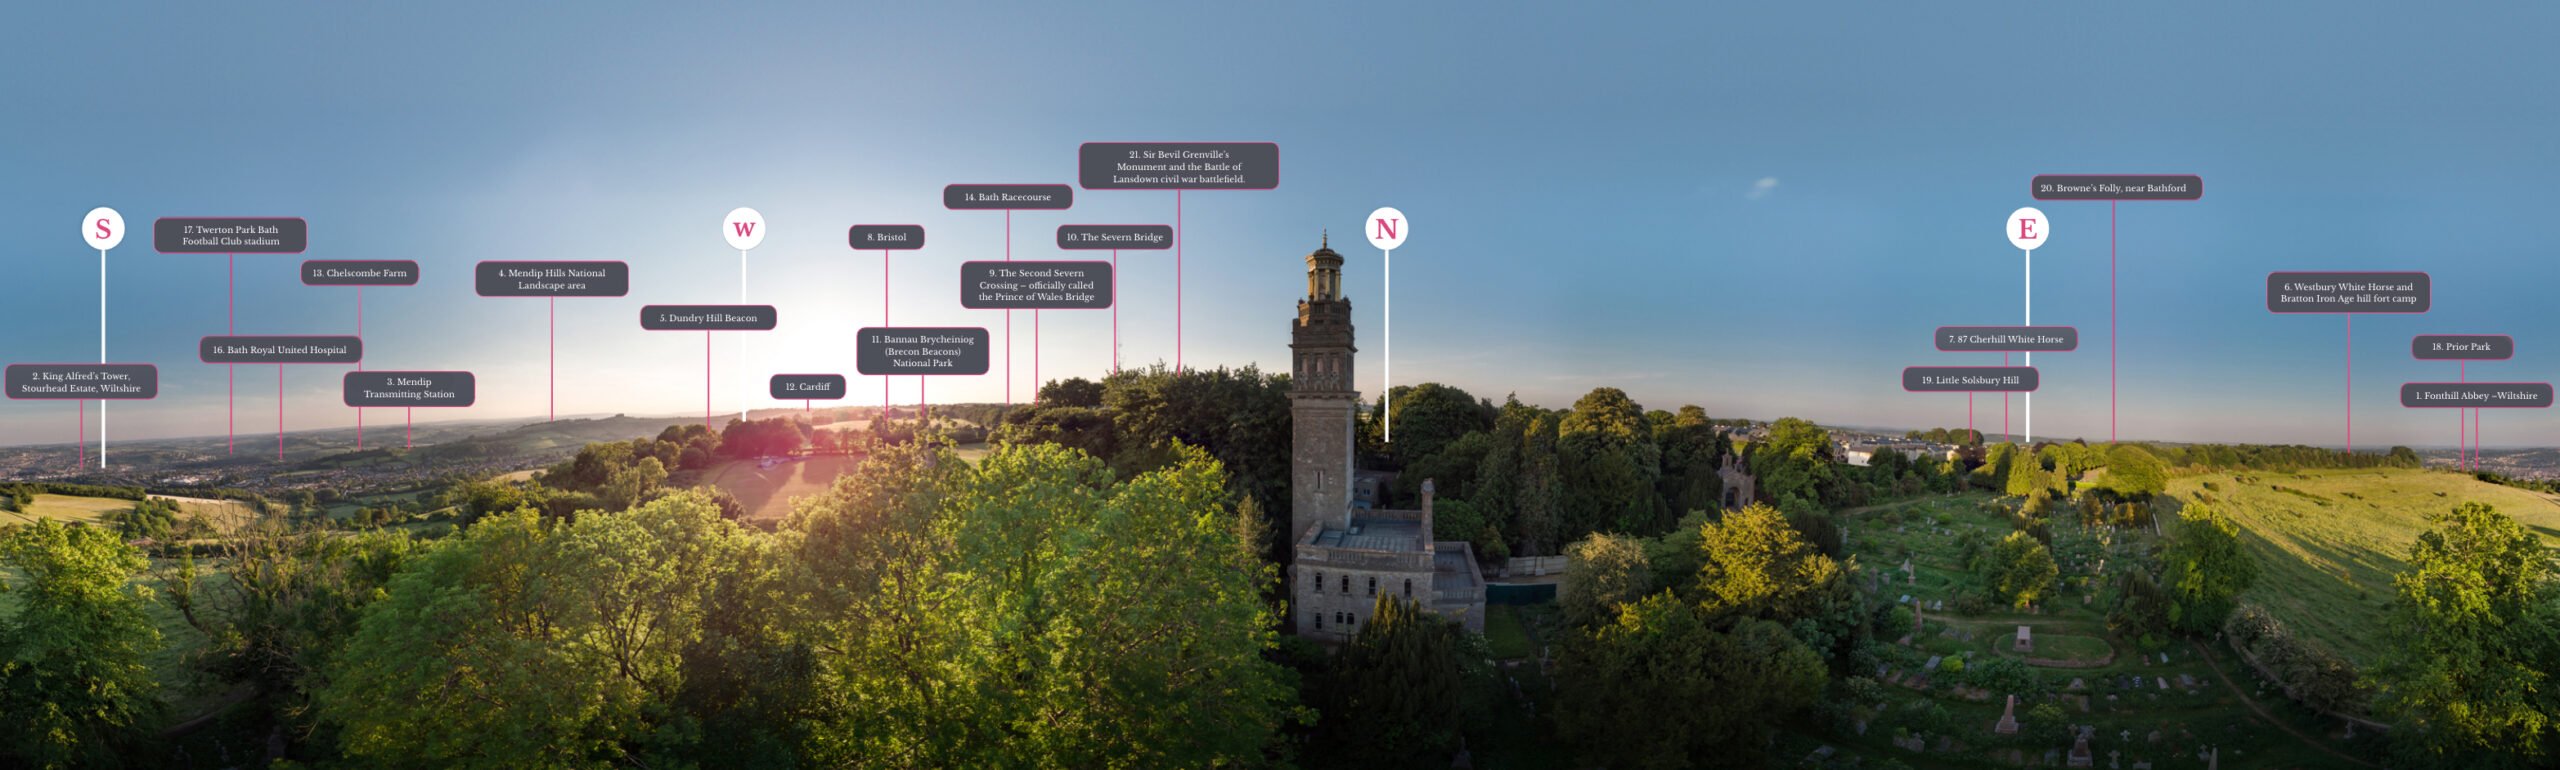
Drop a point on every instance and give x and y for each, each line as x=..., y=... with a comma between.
x=1031, y=610
x=1136, y=419
x=1518, y=479
x=2278, y=457
x=1691, y=649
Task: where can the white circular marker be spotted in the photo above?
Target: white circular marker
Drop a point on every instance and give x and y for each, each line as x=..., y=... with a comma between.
x=1387, y=228
x=2028, y=228
x=102, y=229
x=744, y=228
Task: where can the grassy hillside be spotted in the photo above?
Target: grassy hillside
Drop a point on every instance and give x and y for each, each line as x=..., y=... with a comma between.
x=2329, y=541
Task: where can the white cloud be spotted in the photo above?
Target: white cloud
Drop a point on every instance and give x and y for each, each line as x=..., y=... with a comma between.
x=1762, y=188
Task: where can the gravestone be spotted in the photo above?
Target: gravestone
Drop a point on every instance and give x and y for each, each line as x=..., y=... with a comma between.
x=2008, y=724
x=2026, y=639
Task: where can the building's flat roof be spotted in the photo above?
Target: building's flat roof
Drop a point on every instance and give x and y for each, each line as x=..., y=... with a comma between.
x=1375, y=534
x=1450, y=568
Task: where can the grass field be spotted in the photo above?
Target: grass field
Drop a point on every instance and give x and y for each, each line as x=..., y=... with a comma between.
x=2329, y=541
x=224, y=514
x=69, y=508
x=1506, y=633
x=767, y=493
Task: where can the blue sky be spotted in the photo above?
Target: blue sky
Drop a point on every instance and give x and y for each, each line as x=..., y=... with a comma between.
x=1763, y=211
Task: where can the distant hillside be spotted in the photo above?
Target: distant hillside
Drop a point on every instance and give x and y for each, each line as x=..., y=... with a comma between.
x=2329, y=541
x=539, y=439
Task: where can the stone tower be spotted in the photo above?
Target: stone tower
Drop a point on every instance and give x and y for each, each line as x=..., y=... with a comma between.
x=1322, y=403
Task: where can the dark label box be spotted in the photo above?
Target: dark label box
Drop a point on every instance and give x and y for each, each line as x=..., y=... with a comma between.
x=552, y=279
x=2116, y=187
x=890, y=237
x=2349, y=292
x=280, y=349
x=2034, y=339
x=2462, y=347
x=713, y=318
x=1035, y=285
x=1178, y=165
x=1073, y=237
x=921, y=350
x=83, y=382
x=410, y=389
x=1970, y=379
x=359, y=272
x=799, y=387
x=2475, y=395
x=1008, y=196
x=230, y=235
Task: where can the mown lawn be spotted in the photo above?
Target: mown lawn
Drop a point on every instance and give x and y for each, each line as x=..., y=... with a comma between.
x=1506, y=634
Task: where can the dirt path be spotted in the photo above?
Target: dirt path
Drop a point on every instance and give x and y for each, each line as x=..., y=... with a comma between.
x=2271, y=719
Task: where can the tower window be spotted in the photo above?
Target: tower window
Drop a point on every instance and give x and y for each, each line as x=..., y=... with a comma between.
x=1346, y=585
x=1408, y=588
x=1319, y=582
x=1373, y=586
x=1319, y=621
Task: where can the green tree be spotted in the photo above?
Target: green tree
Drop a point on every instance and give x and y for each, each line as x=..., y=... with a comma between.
x=2027, y=477
x=1997, y=462
x=1395, y=691
x=1616, y=686
x=2205, y=568
x=1030, y=612
x=1539, y=492
x=286, y=601
x=526, y=643
x=1611, y=466
x=1454, y=468
x=1602, y=573
x=75, y=679
x=634, y=484
x=1693, y=450
x=2019, y=571
x=2134, y=473
x=1758, y=565
x=2468, y=675
x=1071, y=392
x=1792, y=466
x=1429, y=416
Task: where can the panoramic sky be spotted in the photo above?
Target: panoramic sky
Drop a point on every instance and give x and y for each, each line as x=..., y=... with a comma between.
x=1760, y=210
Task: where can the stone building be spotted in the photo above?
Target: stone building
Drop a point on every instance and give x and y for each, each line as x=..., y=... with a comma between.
x=1344, y=556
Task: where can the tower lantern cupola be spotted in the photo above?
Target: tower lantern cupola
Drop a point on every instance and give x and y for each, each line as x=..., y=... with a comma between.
x=1324, y=273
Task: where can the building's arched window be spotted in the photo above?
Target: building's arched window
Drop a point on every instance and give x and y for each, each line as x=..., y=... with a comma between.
x=1319, y=621
x=1408, y=588
x=1352, y=619
x=1373, y=585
